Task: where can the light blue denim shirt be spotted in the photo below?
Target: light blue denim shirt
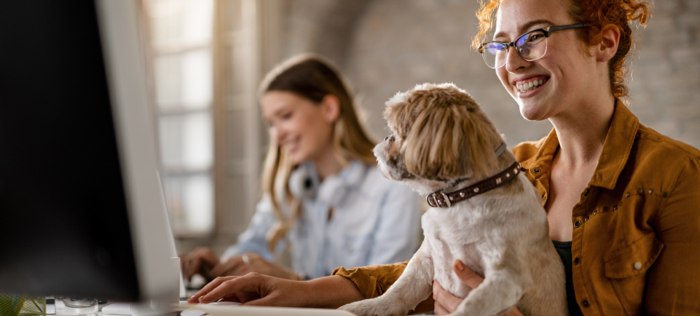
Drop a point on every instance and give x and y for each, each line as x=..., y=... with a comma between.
x=374, y=221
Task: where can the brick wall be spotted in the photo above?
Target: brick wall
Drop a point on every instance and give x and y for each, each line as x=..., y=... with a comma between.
x=385, y=46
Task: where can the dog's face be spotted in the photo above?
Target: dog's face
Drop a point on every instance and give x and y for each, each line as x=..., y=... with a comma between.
x=438, y=134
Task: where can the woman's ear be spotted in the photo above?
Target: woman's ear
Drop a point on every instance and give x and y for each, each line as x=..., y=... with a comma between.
x=330, y=108
x=609, y=41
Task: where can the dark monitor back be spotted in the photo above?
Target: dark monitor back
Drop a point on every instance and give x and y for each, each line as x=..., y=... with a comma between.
x=64, y=226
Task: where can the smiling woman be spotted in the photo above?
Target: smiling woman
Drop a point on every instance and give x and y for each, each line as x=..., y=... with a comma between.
x=324, y=201
x=627, y=231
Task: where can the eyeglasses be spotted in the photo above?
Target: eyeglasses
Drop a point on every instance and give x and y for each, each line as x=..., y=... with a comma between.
x=530, y=46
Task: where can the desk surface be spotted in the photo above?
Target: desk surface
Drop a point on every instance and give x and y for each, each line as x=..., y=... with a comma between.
x=236, y=309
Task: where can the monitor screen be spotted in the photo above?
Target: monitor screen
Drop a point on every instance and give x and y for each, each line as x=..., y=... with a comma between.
x=81, y=207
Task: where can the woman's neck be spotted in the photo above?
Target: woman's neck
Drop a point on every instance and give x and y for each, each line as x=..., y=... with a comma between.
x=327, y=164
x=582, y=134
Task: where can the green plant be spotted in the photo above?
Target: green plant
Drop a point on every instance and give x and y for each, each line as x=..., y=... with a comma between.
x=13, y=305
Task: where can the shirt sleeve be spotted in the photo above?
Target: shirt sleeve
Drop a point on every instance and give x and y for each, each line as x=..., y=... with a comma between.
x=253, y=238
x=374, y=280
x=673, y=284
x=398, y=229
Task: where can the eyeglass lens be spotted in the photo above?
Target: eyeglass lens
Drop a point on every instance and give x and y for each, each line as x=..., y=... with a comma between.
x=530, y=46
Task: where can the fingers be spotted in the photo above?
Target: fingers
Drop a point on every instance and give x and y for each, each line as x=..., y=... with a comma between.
x=514, y=311
x=197, y=297
x=198, y=261
x=244, y=289
x=444, y=300
x=232, y=266
x=190, y=266
x=439, y=309
x=469, y=277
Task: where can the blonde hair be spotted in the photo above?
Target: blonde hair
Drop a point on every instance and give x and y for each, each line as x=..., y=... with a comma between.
x=596, y=14
x=313, y=78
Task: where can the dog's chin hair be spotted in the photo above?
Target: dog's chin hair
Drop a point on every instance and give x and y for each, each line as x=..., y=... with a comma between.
x=425, y=186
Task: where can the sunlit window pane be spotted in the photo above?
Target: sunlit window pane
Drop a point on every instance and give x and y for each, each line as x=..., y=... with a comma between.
x=186, y=140
x=197, y=23
x=168, y=80
x=184, y=80
x=196, y=79
x=181, y=21
x=189, y=199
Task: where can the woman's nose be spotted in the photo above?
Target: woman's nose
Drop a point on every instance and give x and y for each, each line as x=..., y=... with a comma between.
x=514, y=61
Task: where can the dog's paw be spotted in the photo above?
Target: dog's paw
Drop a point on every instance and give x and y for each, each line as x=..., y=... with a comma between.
x=373, y=307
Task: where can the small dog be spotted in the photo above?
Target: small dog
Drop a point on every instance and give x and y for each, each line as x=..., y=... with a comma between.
x=483, y=211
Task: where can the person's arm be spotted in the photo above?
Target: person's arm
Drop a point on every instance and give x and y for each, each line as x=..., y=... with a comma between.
x=398, y=231
x=372, y=281
x=263, y=290
x=673, y=283
x=253, y=238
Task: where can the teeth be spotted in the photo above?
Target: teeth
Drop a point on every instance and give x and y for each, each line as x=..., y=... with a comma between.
x=524, y=86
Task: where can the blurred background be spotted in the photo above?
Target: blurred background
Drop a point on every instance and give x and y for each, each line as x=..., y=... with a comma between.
x=208, y=56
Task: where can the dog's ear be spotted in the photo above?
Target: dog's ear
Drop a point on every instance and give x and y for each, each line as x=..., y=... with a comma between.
x=449, y=136
x=482, y=141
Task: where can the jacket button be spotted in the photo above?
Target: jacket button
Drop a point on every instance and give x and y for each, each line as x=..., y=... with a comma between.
x=637, y=265
x=585, y=303
x=536, y=169
x=577, y=260
x=578, y=223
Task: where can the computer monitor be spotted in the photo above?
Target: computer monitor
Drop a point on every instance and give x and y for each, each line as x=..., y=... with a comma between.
x=81, y=206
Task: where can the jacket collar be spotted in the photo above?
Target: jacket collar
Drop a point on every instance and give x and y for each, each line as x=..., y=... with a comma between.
x=616, y=149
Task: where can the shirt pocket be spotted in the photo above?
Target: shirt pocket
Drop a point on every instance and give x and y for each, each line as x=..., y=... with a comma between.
x=626, y=268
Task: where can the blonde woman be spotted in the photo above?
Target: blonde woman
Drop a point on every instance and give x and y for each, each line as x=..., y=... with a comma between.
x=324, y=202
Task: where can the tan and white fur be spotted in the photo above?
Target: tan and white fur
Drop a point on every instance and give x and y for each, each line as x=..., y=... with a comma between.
x=441, y=140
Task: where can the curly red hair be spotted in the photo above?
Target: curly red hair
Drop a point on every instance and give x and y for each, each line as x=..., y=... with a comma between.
x=596, y=13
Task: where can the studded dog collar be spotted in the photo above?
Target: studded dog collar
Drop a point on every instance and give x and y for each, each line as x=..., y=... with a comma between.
x=443, y=199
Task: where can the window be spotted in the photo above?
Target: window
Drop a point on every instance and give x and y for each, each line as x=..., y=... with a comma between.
x=181, y=55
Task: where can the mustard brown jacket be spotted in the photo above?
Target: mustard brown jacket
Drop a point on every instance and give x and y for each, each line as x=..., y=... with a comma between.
x=636, y=238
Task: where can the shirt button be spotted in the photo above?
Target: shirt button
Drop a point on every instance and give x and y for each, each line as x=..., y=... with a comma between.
x=637, y=265
x=577, y=260
x=585, y=303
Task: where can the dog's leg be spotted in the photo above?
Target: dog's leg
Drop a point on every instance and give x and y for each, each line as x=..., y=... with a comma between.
x=413, y=286
x=501, y=289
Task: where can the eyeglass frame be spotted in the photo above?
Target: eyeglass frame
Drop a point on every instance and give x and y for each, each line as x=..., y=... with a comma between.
x=547, y=31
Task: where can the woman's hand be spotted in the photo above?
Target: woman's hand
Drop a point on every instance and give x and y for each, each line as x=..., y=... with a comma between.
x=198, y=261
x=252, y=262
x=446, y=303
x=253, y=289
x=264, y=290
